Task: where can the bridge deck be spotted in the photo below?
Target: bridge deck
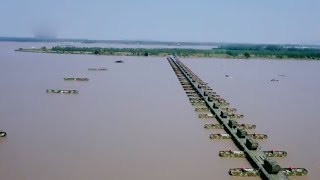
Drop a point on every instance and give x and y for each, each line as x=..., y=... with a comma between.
x=255, y=157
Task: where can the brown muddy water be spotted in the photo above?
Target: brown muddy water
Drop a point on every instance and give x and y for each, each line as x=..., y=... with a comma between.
x=134, y=121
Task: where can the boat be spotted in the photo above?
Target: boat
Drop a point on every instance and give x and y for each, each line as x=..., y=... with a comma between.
x=97, y=69
x=235, y=116
x=198, y=103
x=3, y=134
x=273, y=153
x=294, y=171
x=244, y=172
x=196, y=99
x=220, y=136
x=230, y=153
x=119, y=61
x=220, y=103
x=247, y=126
x=202, y=109
x=193, y=95
x=58, y=91
x=206, y=116
x=229, y=110
x=76, y=79
x=258, y=136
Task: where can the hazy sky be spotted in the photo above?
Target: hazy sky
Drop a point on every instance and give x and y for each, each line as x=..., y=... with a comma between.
x=266, y=21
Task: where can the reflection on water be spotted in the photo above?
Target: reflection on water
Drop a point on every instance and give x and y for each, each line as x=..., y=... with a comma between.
x=134, y=120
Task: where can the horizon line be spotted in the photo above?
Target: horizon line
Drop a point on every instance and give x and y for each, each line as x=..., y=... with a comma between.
x=54, y=39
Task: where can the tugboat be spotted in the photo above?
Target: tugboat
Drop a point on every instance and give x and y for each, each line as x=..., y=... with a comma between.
x=3, y=134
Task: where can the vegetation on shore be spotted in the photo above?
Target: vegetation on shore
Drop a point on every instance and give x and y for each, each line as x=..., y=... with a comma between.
x=225, y=51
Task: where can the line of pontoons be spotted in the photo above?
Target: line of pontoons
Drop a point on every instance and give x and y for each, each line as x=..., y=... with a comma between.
x=211, y=105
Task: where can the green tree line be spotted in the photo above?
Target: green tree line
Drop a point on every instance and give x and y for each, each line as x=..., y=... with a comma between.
x=232, y=51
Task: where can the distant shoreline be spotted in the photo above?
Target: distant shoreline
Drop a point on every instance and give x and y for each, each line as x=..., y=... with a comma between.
x=228, y=52
x=145, y=42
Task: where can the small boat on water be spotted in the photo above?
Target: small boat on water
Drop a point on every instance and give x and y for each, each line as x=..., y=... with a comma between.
x=247, y=126
x=230, y=153
x=213, y=126
x=290, y=171
x=258, y=136
x=97, y=69
x=206, y=116
x=119, y=61
x=229, y=110
x=76, y=79
x=244, y=172
x=233, y=115
x=197, y=101
x=58, y=91
x=273, y=153
x=220, y=136
x=202, y=109
x=3, y=134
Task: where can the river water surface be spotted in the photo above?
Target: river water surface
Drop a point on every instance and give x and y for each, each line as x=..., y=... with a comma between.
x=134, y=121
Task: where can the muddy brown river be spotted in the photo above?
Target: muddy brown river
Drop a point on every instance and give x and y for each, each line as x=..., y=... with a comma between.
x=134, y=121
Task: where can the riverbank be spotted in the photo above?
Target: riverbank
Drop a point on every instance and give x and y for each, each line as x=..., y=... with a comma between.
x=239, y=52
